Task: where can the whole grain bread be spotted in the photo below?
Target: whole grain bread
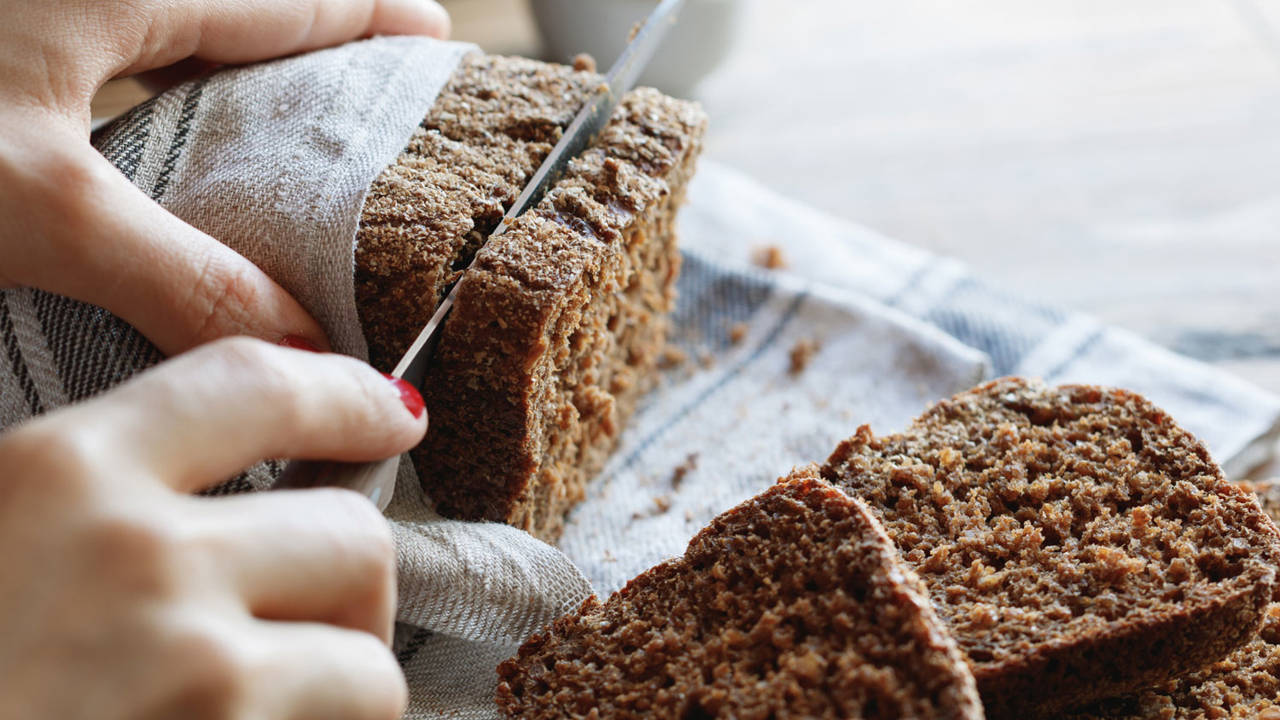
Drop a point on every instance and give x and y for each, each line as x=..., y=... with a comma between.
x=1267, y=491
x=793, y=604
x=1078, y=543
x=1245, y=685
x=559, y=324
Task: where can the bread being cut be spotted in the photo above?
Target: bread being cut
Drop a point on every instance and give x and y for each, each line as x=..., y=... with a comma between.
x=1078, y=543
x=793, y=604
x=559, y=324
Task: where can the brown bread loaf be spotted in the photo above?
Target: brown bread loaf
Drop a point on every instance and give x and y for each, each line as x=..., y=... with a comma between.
x=558, y=327
x=1078, y=543
x=793, y=604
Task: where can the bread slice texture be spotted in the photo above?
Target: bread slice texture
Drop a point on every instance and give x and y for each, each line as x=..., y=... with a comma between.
x=558, y=327
x=1079, y=544
x=559, y=324
x=793, y=604
x=1268, y=493
x=426, y=214
x=1245, y=685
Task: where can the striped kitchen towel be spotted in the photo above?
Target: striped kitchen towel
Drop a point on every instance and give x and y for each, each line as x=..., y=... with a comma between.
x=778, y=365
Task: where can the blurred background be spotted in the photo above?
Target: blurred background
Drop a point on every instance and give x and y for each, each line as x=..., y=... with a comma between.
x=1118, y=158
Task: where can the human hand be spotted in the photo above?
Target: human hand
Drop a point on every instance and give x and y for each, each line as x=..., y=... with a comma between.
x=121, y=596
x=71, y=224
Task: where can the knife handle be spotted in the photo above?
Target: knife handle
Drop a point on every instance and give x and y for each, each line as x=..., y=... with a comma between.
x=375, y=480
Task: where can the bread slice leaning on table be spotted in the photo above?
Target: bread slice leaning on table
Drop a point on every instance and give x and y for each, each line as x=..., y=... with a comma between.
x=1078, y=543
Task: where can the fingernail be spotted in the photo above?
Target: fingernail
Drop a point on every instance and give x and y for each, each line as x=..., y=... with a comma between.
x=409, y=395
x=297, y=342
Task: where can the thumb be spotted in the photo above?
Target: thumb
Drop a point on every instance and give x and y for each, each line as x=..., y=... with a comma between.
x=86, y=232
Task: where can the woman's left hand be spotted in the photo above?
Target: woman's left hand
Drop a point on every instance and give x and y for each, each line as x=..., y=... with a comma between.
x=71, y=224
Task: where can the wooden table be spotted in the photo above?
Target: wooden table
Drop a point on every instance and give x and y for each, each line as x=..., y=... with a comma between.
x=1119, y=158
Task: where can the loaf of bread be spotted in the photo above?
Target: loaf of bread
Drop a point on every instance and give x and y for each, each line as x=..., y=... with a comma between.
x=793, y=604
x=559, y=323
x=1077, y=542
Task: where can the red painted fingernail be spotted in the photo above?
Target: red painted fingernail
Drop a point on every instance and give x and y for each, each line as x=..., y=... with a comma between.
x=409, y=395
x=297, y=342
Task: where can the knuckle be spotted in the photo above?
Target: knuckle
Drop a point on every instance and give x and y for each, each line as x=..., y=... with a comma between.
x=223, y=296
x=367, y=540
x=137, y=552
x=58, y=460
x=218, y=674
x=267, y=369
x=80, y=184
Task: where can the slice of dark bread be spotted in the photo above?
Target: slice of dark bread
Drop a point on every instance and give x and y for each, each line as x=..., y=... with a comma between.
x=1245, y=685
x=1079, y=544
x=791, y=605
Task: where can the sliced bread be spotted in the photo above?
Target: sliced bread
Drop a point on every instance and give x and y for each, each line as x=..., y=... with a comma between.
x=1078, y=543
x=791, y=605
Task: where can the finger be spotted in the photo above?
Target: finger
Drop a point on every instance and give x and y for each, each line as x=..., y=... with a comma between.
x=247, y=31
x=82, y=230
x=161, y=79
x=317, y=672
x=317, y=555
x=199, y=418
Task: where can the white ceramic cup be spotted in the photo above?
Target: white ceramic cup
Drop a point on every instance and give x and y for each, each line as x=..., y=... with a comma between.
x=696, y=45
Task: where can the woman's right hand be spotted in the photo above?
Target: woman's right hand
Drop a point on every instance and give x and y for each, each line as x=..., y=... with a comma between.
x=124, y=596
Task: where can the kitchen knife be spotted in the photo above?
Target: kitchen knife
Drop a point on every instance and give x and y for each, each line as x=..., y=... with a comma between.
x=377, y=479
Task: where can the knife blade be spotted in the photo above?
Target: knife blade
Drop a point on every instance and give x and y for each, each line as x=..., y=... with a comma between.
x=377, y=480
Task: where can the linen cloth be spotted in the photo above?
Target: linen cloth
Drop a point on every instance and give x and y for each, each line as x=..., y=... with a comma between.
x=275, y=159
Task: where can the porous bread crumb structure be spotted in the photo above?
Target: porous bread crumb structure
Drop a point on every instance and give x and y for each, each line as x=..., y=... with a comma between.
x=427, y=213
x=793, y=604
x=1243, y=686
x=559, y=324
x=1078, y=543
x=1268, y=493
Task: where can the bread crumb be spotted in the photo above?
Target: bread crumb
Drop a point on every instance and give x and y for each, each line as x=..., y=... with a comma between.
x=737, y=332
x=706, y=360
x=689, y=465
x=672, y=357
x=769, y=257
x=663, y=503
x=802, y=354
x=583, y=62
